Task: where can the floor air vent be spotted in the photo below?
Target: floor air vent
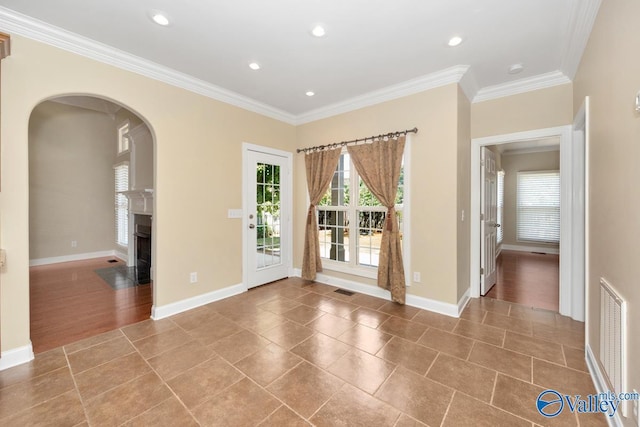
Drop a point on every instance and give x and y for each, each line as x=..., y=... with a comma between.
x=344, y=292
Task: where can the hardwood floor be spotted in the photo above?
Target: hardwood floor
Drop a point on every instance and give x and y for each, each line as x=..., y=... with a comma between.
x=69, y=302
x=528, y=278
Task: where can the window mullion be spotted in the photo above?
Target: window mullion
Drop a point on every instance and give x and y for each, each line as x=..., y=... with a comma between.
x=353, y=214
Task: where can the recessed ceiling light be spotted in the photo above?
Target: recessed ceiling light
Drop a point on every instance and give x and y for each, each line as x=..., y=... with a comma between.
x=454, y=41
x=160, y=18
x=310, y=93
x=254, y=66
x=318, y=31
x=516, y=68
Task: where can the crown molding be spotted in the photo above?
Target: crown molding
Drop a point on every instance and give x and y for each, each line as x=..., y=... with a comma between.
x=469, y=85
x=23, y=25
x=409, y=87
x=541, y=81
x=584, y=14
x=584, y=11
x=5, y=45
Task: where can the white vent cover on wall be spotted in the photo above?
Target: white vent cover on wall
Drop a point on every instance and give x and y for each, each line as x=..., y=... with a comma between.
x=613, y=338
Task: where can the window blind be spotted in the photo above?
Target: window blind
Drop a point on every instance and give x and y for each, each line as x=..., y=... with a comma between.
x=122, y=204
x=538, y=206
x=500, y=199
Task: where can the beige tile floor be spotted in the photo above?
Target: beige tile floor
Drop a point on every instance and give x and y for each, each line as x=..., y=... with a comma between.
x=294, y=354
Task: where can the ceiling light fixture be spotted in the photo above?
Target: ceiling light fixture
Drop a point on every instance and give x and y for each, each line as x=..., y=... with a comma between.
x=516, y=68
x=254, y=66
x=310, y=93
x=318, y=31
x=454, y=41
x=159, y=18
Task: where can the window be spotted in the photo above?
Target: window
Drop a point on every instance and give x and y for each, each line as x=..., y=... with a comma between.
x=123, y=138
x=538, y=207
x=500, y=214
x=122, y=203
x=351, y=219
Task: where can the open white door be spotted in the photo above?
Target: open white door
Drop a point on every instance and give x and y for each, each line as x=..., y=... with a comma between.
x=268, y=216
x=488, y=217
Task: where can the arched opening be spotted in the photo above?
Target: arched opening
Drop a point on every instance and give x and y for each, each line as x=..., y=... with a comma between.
x=91, y=182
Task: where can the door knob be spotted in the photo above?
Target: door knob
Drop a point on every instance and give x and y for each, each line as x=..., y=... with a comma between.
x=252, y=226
x=497, y=225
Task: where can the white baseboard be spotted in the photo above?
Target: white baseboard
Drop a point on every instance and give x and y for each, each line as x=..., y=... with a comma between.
x=452, y=310
x=160, y=312
x=525, y=248
x=74, y=257
x=433, y=305
x=16, y=356
x=464, y=301
x=601, y=384
x=122, y=255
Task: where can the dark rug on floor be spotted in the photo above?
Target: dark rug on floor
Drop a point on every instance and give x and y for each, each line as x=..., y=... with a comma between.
x=121, y=276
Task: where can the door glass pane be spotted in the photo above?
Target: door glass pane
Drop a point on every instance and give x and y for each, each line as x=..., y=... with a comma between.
x=268, y=215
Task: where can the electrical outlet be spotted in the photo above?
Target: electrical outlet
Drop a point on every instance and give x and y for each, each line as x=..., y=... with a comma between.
x=74, y=243
x=416, y=277
x=193, y=277
x=462, y=216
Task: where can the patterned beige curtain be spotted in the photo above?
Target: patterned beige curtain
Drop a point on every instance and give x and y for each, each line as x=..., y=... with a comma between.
x=379, y=165
x=320, y=167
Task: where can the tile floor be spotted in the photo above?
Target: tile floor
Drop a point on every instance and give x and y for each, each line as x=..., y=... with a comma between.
x=294, y=354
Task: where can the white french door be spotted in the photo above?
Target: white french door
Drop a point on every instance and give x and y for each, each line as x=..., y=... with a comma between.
x=488, y=222
x=267, y=215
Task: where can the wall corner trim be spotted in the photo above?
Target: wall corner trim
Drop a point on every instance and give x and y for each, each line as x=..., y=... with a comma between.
x=464, y=301
x=160, y=312
x=16, y=356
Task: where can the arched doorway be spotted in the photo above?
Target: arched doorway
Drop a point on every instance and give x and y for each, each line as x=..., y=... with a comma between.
x=91, y=181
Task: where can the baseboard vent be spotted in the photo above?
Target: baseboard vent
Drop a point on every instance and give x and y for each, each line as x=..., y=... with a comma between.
x=344, y=292
x=613, y=337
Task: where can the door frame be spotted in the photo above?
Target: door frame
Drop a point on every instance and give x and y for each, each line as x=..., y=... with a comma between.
x=286, y=211
x=571, y=287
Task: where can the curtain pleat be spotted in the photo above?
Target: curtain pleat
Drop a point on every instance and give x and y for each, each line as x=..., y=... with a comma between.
x=320, y=166
x=379, y=164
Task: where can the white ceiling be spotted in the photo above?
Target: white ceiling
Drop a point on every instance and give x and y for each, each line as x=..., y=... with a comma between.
x=373, y=48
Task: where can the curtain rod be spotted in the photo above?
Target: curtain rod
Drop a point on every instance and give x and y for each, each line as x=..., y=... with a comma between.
x=355, y=141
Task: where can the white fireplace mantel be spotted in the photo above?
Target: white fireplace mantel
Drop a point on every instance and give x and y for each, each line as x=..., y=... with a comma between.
x=140, y=201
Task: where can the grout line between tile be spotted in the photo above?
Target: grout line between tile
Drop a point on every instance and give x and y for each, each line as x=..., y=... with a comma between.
x=164, y=382
x=75, y=385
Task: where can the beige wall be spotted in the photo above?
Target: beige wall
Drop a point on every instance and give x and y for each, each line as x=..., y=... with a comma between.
x=434, y=180
x=70, y=181
x=512, y=164
x=198, y=173
x=537, y=109
x=141, y=167
x=464, y=193
x=610, y=75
